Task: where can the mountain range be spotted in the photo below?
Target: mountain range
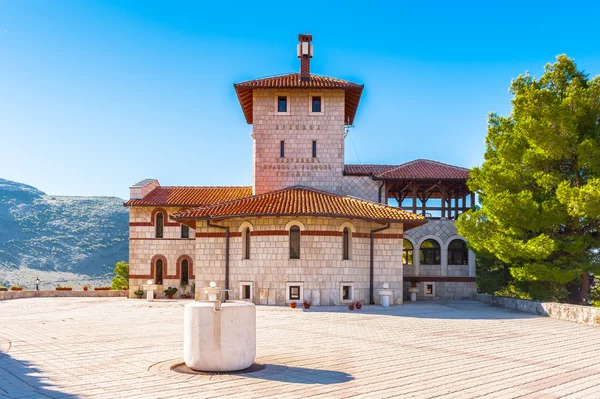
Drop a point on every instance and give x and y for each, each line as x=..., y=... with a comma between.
x=61, y=240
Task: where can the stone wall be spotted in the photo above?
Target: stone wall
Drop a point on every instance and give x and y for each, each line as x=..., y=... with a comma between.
x=320, y=267
x=144, y=247
x=450, y=281
x=361, y=187
x=298, y=128
x=563, y=311
x=59, y=294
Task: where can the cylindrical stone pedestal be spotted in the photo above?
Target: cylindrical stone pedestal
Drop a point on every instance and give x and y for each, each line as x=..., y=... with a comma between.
x=413, y=293
x=219, y=340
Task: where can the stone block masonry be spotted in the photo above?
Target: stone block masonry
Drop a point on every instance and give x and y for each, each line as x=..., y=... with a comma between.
x=298, y=128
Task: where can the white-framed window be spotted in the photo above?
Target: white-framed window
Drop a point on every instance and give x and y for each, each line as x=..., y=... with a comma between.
x=429, y=289
x=247, y=291
x=294, y=292
x=316, y=103
x=346, y=292
x=282, y=103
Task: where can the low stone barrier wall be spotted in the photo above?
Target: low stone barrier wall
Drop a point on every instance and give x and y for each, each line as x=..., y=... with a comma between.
x=56, y=294
x=580, y=314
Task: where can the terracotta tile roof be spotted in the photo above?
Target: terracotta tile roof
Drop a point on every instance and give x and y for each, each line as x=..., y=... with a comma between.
x=302, y=201
x=191, y=196
x=365, y=170
x=424, y=169
x=292, y=81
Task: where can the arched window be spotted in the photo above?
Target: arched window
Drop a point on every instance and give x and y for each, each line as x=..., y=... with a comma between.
x=431, y=253
x=458, y=254
x=294, y=242
x=246, y=243
x=185, y=267
x=185, y=231
x=158, y=271
x=407, y=252
x=160, y=224
x=346, y=244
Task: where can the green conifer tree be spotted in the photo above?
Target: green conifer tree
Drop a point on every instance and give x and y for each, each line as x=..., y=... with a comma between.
x=539, y=184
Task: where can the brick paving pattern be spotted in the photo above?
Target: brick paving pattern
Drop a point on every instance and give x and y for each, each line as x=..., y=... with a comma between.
x=119, y=348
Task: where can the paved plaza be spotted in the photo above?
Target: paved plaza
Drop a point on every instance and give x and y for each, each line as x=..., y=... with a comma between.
x=120, y=348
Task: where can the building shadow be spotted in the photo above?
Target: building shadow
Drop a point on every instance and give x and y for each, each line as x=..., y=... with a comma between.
x=433, y=309
x=23, y=379
x=300, y=375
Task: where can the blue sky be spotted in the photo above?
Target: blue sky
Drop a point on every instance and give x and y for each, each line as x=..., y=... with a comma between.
x=95, y=96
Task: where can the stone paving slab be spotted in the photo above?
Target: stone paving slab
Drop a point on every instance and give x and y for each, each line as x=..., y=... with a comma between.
x=120, y=348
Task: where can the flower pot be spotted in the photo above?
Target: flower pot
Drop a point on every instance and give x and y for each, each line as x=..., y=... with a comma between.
x=139, y=296
x=124, y=288
x=170, y=296
x=358, y=306
x=293, y=305
x=16, y=288
x=307, y=306
x=85, y=288
x=351, y=307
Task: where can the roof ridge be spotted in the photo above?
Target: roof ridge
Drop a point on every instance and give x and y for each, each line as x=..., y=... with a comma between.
x=257, y=197
x=204, y=187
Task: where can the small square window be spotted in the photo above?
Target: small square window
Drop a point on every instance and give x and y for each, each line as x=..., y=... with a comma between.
x=246, y=290
x=429, y=289
x=282, y=104
x=346, y=293
x=294, y=292
x=316, y=104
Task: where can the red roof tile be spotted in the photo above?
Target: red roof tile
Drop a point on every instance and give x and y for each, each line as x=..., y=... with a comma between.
x=292, y=81
x=424, y=169
x=191, y=196
x=302, y=201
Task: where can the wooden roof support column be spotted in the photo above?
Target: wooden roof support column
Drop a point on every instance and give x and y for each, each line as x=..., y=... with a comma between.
x=414, y=196
x=443, y=198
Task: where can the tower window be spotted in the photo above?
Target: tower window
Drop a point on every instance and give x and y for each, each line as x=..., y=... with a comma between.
x=282, y=149
x=316, y=104
x=282, y=104
x=159, y=225
x=314, y=149
x=295, y=242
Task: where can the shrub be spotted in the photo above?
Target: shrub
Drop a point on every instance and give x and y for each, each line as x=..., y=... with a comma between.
x=101, y=288
x=16, y=288
x=170, y=291
x=121, y=278
x=138, y=292
x=3, y=288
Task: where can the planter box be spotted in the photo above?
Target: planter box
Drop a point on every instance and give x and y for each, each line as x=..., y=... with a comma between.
x=64, y=289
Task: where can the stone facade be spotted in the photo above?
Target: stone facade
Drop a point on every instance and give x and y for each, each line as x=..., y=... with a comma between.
x=298, y=128
x=144, y=247
x=321, y=271
x=449, y=281
x=362, y=187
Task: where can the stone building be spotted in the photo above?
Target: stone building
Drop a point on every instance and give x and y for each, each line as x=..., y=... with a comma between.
x=310, y=228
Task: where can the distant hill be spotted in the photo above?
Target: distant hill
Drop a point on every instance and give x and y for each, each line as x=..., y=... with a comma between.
x=60, y=239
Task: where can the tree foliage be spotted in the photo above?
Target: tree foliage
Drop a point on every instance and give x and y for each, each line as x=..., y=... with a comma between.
x=121, y=278
x=539, y=184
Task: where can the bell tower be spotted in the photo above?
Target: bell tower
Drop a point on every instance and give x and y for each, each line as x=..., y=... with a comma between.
x=298, y=126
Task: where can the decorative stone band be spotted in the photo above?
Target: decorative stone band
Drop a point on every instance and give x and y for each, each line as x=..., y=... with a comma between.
x=441, y=279
x=150, y=224
x=313, y=233
x=145, y=238
x=218, y=235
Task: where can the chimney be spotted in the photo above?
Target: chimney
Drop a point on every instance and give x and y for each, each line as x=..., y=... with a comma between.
x=305, y=53
x=140, y=189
